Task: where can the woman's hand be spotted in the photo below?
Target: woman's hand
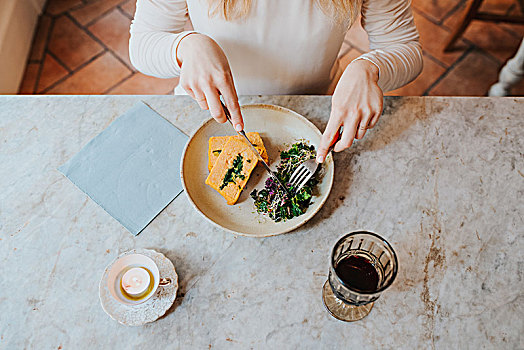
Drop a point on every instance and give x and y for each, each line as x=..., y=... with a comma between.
x=205, y=75
x=356, y=105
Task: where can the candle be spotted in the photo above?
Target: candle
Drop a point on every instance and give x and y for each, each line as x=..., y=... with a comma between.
x=135, y=281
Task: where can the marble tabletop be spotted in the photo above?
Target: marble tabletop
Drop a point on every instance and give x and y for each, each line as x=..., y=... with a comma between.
x=441, y=178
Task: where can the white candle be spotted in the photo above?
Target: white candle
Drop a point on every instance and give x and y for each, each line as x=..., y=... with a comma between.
x=135, y=281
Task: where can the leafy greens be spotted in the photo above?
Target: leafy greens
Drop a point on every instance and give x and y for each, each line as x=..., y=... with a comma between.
x=273, y=200
x=234, y=172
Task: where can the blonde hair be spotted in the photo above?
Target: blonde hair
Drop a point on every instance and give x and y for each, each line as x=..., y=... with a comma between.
x=342, y=11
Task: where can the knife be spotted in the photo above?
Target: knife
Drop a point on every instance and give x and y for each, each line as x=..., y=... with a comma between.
x=260, y=159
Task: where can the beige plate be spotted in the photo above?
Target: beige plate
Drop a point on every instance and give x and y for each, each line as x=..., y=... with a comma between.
x=279, y=128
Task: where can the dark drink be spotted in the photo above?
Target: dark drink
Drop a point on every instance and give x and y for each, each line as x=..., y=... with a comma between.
x=358, y=273
x=362, y=266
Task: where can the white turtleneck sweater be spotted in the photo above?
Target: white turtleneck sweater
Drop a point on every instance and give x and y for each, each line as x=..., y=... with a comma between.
x=281, y=46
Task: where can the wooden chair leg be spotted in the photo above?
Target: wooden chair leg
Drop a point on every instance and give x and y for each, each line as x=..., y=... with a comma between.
x=469, y=15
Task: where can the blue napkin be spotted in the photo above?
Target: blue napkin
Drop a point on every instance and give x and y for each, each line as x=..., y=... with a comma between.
x=132, y=168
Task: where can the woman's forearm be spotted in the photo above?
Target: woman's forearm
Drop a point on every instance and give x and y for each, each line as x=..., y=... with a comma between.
x=399, y=64
x=394, y=41
x=155, y=34
x=154, y=53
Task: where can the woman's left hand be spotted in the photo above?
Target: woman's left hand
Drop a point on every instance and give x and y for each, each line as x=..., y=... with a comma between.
x=356, y=105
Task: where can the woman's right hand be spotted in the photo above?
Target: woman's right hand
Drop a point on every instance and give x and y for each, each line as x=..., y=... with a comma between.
x=205, y=75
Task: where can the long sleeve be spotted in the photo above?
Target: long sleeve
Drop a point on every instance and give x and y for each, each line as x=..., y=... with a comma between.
x=394, y=41
x=155, y=33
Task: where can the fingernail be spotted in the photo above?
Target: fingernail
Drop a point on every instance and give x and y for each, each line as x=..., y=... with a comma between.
x=238, y=127
x=320, y=159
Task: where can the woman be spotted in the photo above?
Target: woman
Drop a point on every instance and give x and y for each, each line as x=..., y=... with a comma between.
x=278, y=47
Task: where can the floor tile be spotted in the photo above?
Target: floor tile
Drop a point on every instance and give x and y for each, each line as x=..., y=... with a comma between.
x=357, y=37
x=52, y=71
x=433, y=38
x=71, y=44
x=518, y=90
x=40, y=38
x=95, y=78
x=93, y=10
x=492, y=39
x=129, y=7
x=429, y=75
x=140, y=84
x=515, y=29
x=499, y=7
x=28, y=82
x=346, y=55
x=472, y=76
x=98, y=55
x=495, y=6
x=55, y=7
x=435, y=9
x=113, y=31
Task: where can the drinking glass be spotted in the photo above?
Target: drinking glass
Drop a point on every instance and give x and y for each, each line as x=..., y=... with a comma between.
x=344, y=301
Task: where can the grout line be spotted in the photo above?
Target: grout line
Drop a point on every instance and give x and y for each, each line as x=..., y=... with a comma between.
x=101, y=43
x=465, y=40
x=450, y=68
x=124, y=13
x=434, y=59
x=509, y=30
x=115, y=55
x=426, y=16
x=69, y=70
x=99, y=17
x=481, y=50
x=118, y=84
x=46, y=45
x=73, y=8
x=451, y=12
x=73, y=72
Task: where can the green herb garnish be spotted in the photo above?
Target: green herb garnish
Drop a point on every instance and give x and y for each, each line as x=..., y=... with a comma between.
x=233, y=172
x=273, y=200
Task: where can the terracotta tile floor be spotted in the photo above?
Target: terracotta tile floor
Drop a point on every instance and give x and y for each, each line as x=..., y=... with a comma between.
x=80, y=47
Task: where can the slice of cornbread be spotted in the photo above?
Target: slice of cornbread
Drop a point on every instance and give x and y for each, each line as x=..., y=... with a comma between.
x=216, y=144
x=232, y=169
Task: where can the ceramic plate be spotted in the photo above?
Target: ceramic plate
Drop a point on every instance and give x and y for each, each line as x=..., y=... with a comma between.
x=279, y=128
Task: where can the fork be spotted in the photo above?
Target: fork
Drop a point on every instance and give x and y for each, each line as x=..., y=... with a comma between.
x=307, y=169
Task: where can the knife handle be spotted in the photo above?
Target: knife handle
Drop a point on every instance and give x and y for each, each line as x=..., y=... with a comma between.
x=226, y=112
x=335, y=140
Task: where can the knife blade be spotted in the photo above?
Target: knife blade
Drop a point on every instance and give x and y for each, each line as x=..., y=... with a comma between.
x=260, y=159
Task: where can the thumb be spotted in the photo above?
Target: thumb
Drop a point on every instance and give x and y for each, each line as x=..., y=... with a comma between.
x=327, y=139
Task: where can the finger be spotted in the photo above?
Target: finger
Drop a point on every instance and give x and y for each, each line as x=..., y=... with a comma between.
x=190, y=92
x=201, y=99
x=348, y=134
x=377, y=114
x=362, y=127
x=213, y=101
x=374, y=120
x=227, y=89
x=331, y=129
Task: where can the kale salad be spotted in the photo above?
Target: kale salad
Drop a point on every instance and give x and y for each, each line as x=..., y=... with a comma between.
x=273, y=200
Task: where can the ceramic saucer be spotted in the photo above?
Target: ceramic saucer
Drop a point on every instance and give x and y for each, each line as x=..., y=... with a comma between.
x=152, y=309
